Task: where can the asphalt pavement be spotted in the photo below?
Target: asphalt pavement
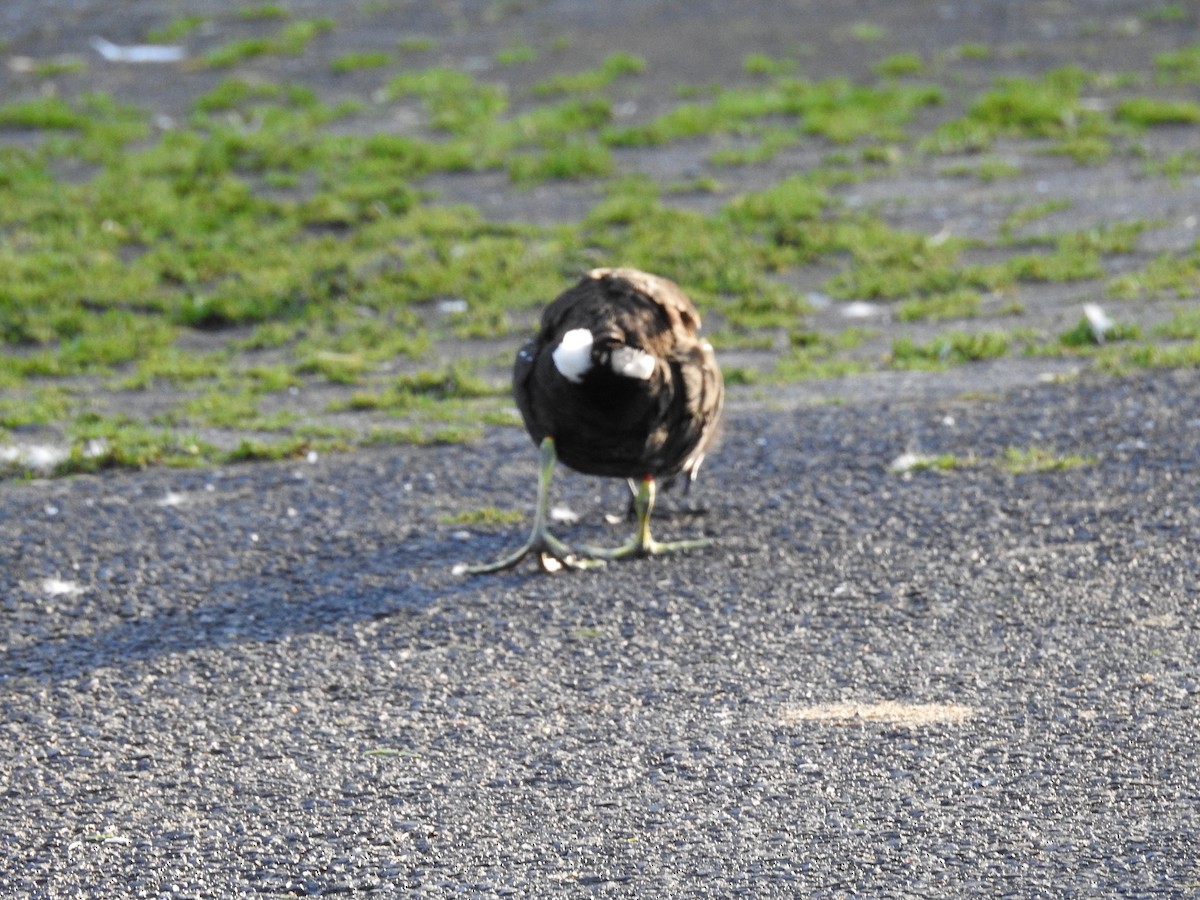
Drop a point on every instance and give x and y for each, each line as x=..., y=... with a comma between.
x=265, y=680
x=949, y=680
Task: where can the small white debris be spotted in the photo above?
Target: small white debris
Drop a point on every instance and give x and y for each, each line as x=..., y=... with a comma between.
x=137, y=53
x=462, y=535
x=253, y=537
x=860, y=309
x=887, y=712
x=311, y=457
x=1099, y=321
x=948, y=421
x=291, y=512
x=50, y=509
x=564, y=514
x=171, y=498
x=459, y=569
x=908, y=461
x=60, y=587
x=450, y=307
x=39, y=457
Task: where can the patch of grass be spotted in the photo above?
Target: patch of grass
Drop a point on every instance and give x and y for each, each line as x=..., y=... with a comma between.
x=42, y=113
x=1084, y=334
x=889, y=264
x=1031, y=107
x=1019, y=218
x=262, y=451
x=1119, y=359
x=768, y=146
x=41, y=407
x=1167, y=273
x=487, y=515
x=949, y=349
x=812, y=356
x=238, y=51
x=1027, y=460
x=99, y=442
x=263, y=12
x=568, y=160
x=409, y=391
x=1045, y=107
x=761, y=64
x=295, y=37
x=1175, y=166
x=291, y=40
x=1149, y=112
x=867, y=31
x=61, y=65
x=962, y=303
x=454, y=100
x=972, y=51
x=1179, y=67
x=943, y=462
x=1184, y=325
x=1170, y=13
x=899, y=66
x=356, y=62
x=175, y=30
x=516, y=54
x=416, y=44
x=990, y=170
x=1063, y=264
x=218, y=408
x=301, y=255
x=613, y=67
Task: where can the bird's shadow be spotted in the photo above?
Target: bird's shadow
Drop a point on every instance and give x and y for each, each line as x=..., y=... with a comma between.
x=347, y=580
x=273, y=605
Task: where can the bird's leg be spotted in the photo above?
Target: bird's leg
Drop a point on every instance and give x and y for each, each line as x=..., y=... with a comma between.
x=642, y=544
x=552, y=553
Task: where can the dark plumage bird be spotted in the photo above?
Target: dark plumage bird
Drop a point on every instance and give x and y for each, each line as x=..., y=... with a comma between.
x=618, y=383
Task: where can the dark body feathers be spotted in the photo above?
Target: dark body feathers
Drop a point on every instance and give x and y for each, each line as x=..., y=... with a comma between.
x=611, y=424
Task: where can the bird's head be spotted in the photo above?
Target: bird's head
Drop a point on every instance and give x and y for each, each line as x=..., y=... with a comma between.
x=580, y=350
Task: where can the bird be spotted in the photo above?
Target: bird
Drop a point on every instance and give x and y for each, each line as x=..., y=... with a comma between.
x=617, y=382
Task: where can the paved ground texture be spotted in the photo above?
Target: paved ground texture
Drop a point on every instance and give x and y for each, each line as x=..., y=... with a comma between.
x=973, y=676
x=266, y=680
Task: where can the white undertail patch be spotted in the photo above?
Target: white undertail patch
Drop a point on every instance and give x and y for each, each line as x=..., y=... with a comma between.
x=632, y=363
x=573, y=355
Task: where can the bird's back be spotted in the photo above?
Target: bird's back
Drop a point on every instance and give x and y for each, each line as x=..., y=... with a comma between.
x=620, y=378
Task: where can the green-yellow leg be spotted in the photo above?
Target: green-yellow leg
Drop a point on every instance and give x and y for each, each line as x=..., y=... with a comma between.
x=641, y=544
x=552, y=553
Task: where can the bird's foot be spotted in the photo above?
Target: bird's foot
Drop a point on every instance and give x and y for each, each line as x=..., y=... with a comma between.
x=552, y=554
x=638, y=548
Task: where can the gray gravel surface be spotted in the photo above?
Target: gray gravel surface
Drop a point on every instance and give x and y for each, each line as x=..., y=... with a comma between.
x=266, y=681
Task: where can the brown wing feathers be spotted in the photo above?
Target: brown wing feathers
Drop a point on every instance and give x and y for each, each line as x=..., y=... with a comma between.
x=605, y=423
